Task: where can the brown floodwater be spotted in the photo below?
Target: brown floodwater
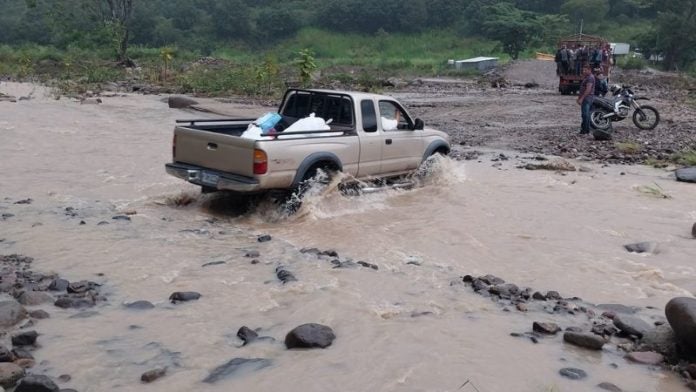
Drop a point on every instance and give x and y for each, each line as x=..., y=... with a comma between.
x=409, y=326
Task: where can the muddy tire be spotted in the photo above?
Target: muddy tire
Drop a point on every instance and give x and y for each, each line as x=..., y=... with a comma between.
x=597, y=120
x=646, y=118
x=314, y=176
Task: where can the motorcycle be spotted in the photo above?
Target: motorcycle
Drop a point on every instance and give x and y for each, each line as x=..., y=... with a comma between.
x=604, y=111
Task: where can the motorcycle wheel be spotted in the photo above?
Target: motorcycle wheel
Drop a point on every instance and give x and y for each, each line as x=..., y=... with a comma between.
x=598, y=121
x=647, y=117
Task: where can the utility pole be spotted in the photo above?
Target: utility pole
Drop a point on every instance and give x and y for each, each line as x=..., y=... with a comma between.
x=582, y=22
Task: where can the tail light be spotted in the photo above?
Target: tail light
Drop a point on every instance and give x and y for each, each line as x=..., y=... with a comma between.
x=260, y=162
x=174, y=147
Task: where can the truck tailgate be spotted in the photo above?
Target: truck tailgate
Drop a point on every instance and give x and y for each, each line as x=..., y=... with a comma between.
x=231, y=154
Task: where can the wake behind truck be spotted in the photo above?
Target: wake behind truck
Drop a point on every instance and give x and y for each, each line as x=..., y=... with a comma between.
x=570, y=75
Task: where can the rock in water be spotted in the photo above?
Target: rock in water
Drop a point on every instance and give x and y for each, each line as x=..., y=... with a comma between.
x=152, y=375
x=11, y=312
x=9, y=374
x=693, y=230
x=631, y=325
x=310, y=336
x=646, y=357
x=573, y=373
x=607, y=386
x=247, y=335
x=5, y=354
x=681, y=314
x=236, y=366
x=36, y=383
x=264, y=238
x=140, y=305
x=687, y=174
x=25, y=338
x=586, y=340
x=284, y=275
x=641, y=247
x=180, y=102
x=32, y=298
x=546, y=328
x=183, y=296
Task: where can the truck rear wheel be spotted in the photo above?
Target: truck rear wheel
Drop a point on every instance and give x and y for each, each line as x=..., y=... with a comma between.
x=318, y=176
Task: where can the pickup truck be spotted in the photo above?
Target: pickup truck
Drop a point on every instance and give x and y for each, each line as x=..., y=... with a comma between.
x=371, y=136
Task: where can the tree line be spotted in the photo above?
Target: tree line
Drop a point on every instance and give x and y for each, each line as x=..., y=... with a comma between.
x=663, y=27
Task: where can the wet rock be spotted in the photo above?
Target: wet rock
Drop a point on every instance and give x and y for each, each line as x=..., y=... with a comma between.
x=25, y=363
x=33, y=298
x=5, y=354
x=646, y=357
x=538, y=296
x=642, y=247
x=10, y=373
x=36, y=383
x=691, y=385
x=343, y=264
x=491, y=280
x=313, y=251
x=604, y=330
x=27, y=338
x=152, y=375
x=247, y=335
x=506, y=290
x=74, y=303
x=236, y=366
x=125, y=218
x=64, y=378
x=687, y=174
x=617, y=308
x=479, y=285
x=58, y=285
x=11, y=313
x=574, y=329
x=691, y=370
x=661, y=340
x=573, y=373
x=284, y=275
x=585, y=340
x=553, y=295
x=368, y=265
x=330, y=253
x=522, y=307
x=6, y=216
x=264, y=238
x=252, y=254
x=693, y=230
x=310, y=336
x=546, y=328
x=183, y=296
x=212, y=263
x=21, y=353
x=607, y=386
x=180, y=102
x=82, y=286
x=631, y=325
x=140, y=305
x=681, y=315
x=24, y=201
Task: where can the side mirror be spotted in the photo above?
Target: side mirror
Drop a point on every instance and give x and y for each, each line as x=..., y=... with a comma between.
x=419, y=124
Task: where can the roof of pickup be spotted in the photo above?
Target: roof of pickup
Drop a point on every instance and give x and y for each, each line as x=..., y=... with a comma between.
x=357, y=95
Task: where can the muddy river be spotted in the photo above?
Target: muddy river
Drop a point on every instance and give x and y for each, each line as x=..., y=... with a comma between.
x=411, y=325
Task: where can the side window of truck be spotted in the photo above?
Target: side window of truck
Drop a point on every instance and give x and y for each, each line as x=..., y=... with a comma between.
x=369, y=117
x=392, y=117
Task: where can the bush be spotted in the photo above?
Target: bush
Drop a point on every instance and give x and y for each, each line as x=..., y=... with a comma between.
x=629, y=62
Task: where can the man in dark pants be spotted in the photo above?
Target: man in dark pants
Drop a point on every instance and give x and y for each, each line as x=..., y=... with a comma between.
x=586, y=98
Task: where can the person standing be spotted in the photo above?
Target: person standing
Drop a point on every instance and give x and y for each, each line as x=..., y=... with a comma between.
x=581, y=59
x=601, y=86
x=565, y=60
x=586, y=98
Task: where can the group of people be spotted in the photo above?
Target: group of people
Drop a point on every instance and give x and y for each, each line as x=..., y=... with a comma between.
x=594, y=83
x=572, y=60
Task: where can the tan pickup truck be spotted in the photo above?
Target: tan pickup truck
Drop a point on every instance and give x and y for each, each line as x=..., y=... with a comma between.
x=370, y=136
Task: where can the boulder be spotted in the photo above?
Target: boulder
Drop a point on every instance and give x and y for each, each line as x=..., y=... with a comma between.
x=152, y=375
x=607, y=386
x=573, y=373
x=642, y=247
x=58, y=285
x=310, y=336
x=284, y=275
x=5, y=354
x=39, y=314
x=631, y=325
x=180, y=102
x=183, y=296
x=661, y=340
x=687, y=174
x=681, y=315
x=693, y=230
x=36, y=383
x=33, y=298
x=27, y=338
x=10, y=373
x=74, y=303
x=247, y=335
x=585, y=340
x=236, y=366
x=546, y=328
x=11, y=313
x=140, y=305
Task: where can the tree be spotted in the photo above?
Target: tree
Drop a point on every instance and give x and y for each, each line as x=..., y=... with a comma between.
x=514, y=28
x=590, y=11
x=675, y=30
x=116, y=15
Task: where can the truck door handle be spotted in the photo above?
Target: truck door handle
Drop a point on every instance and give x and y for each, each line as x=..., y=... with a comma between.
x=388, y=141
x=212, y=146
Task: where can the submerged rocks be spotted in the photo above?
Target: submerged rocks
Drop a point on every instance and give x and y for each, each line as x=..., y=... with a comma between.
x=11, y=313
x=642, y=247
x=140, y=305
x=681, y=315
x=36, y=383
x=284, y=275
x=235, y=366
x=693, y=230
x=607, y=386
x=646, y=357
x=573, y=373
x=74, y=302
x=631, y=325
x=546, y=328
x=247, y=335
x=25, y=338
x=310, y=336
x=58, y=285
x=32, y=298
x=585, y=340
x=183, y=296
x=264, y=238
